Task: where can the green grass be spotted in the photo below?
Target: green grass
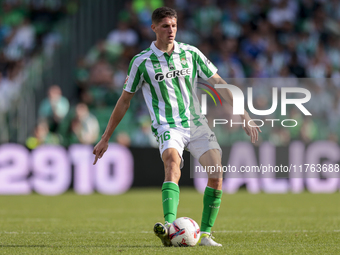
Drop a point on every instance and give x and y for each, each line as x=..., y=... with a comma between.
x=97, y=224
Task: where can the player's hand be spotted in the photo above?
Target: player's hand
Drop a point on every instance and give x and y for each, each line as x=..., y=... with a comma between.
x=252, y=131
x=100, y=149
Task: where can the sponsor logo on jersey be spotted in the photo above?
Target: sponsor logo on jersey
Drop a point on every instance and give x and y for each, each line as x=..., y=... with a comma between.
x=172, y=74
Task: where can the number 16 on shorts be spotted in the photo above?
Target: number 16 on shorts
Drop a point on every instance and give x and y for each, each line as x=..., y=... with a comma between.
x=163, y=137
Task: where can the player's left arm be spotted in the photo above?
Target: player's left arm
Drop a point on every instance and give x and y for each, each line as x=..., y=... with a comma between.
x=253, y=130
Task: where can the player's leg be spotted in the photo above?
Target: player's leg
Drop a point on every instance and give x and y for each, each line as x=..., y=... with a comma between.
x=170, y=189
x=213, y=191
x=171, y=151
x=204, y=147
x=212, y=196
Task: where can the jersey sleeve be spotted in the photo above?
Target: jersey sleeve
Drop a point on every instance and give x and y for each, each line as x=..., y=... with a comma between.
x=205, y=68
x=134, y=78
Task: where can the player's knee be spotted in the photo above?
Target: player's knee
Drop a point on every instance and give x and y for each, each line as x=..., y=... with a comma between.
x=172, y=171
x=173, y=168
x=211, y=157
x=172, y=162
x=171, y=165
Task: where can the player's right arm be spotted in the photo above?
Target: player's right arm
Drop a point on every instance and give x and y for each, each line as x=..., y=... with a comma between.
x=133, y=82
x=117, y=115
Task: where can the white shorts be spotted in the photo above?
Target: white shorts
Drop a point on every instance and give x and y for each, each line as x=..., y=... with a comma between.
x=197, y=140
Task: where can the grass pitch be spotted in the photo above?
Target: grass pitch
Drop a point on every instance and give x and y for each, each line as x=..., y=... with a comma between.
x=97, y=224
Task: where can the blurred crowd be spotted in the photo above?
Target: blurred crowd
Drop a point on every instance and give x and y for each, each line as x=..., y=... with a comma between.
x=27, y=27
x=244, y=38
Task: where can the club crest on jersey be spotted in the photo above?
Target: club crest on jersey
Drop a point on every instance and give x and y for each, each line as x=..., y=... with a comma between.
x=183, y=61
x=172, y=74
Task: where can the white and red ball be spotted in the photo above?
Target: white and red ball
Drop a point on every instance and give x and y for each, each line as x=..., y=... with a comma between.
x=184, y=232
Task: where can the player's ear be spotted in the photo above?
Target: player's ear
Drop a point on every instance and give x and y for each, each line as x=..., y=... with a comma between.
x=153, y=27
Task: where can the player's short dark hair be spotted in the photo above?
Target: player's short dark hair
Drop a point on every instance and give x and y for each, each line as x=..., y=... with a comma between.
x=163, y=12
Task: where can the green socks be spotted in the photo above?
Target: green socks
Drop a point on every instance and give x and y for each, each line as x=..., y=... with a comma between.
x=170, y=198
x=211, y=205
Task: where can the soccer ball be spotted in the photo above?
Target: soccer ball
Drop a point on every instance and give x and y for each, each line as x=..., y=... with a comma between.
x=184, y=232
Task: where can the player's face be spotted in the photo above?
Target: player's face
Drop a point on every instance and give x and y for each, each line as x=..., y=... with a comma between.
x=166, y=30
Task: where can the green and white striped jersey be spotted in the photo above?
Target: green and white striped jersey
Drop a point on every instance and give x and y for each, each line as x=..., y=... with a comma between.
x=168, y=83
